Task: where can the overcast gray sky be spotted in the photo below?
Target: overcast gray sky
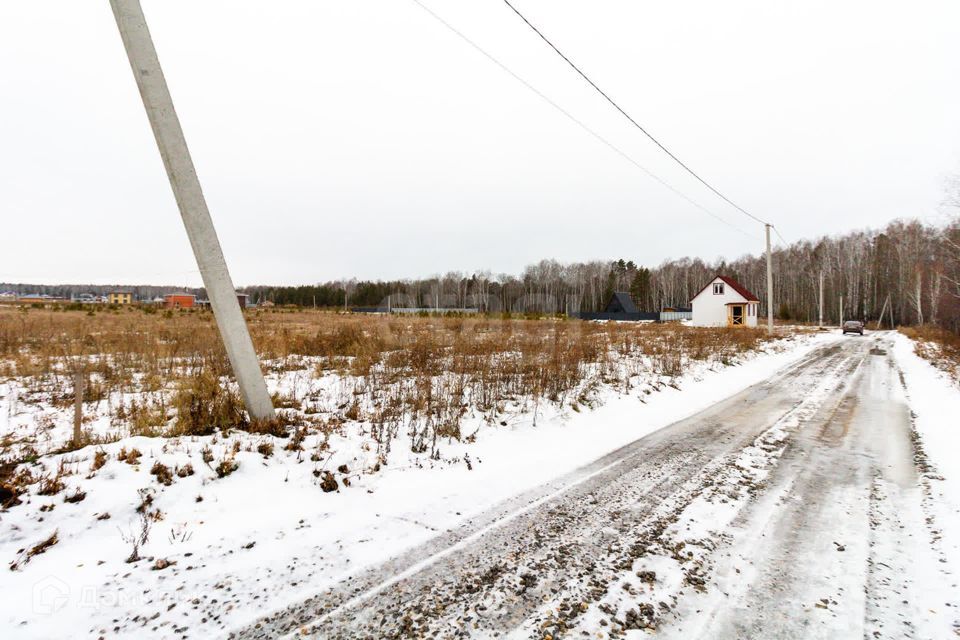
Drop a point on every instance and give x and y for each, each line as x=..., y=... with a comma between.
x=365, y=139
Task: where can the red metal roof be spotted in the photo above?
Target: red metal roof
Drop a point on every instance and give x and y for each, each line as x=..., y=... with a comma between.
x=736, y=286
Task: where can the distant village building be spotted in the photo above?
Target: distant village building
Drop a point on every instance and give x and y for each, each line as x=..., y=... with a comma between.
x=39, y=298
x=241, y=300
x=120, y=297
x=724, y=302
x=621, y=302
x=179, y=300
x=620, y=307
x=8, y=296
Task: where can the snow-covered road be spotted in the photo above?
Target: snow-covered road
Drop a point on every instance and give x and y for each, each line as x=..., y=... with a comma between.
x=800, y=507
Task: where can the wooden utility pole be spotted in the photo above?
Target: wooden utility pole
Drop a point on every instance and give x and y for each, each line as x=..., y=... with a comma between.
x=769, y=283
x=78, y=381
x=193, y=206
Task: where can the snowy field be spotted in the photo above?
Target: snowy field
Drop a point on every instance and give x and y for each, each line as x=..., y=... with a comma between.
x=235, y=525
x=223, y=550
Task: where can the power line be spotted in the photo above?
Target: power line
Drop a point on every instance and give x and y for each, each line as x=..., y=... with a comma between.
x=782, y=239
x=576, y=120
x=632, y=121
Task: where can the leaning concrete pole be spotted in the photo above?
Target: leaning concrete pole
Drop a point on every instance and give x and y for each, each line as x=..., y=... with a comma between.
x=193, y=206
x=769, y=284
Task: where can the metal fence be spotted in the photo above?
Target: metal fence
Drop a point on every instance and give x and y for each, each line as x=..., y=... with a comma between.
x=642, y=316
x=630, y=317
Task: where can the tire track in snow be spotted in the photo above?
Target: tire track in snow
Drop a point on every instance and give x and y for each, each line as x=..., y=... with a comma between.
x=480, y=579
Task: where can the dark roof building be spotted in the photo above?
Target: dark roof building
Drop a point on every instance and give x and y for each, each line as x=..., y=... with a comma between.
x=621, y=302
x=620, y=307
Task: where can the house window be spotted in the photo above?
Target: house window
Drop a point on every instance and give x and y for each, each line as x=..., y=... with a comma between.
x=718, y=288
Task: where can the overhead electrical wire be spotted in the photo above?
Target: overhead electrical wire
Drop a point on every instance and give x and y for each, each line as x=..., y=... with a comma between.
x=632, y=121
x=782, y=239
x=577, y=121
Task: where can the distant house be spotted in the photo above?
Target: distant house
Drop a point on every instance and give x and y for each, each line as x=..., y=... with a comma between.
x=620, y=307
x=120, y=297
x=241, y=300
x=8, y=296
x=724, y=302
x=621, y=302
x=179, y=301
x=39, y=298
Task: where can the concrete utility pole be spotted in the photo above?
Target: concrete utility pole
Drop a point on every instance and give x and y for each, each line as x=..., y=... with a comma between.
x=193, y=207
x=821, y=300
x=841, y=312
x=769, y=283
x=882, y=310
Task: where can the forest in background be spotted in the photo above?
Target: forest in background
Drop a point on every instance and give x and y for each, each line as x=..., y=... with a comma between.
x=909, y=271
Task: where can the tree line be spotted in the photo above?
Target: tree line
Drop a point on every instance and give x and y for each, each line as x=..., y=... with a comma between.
x=908, y=271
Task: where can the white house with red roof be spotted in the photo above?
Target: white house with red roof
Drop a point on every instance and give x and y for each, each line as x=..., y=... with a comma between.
x=724, y=302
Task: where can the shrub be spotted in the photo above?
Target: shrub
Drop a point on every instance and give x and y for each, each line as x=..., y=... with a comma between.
x=226, y=467
x=329, y=483
x=99, y=459
x=162, y=473
x=204, y=405
x=275, y=427
x=8, y=496
x=296, y=442
x=130, y=457
x=76, y=496
x=50, y=485
x=26, y=555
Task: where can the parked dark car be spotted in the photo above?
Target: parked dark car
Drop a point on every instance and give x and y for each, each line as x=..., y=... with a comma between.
x=852, y=326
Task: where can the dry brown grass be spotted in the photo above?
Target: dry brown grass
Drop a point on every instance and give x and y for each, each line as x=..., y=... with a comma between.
x=420, y=374
x=937, y=345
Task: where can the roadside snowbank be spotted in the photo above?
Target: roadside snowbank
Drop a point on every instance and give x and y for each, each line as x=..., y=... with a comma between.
x=256, y=539
x=934, y=400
